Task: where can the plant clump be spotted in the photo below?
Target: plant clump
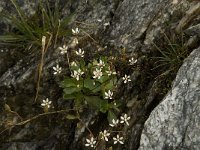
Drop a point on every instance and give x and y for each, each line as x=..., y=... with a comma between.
x=27, y=31
x=172, y=51
x=89, y=84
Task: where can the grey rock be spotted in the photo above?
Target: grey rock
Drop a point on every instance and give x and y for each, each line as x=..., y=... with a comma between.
x=131, y=24
x=21, y=146
x=175, y=122
x=189, y=16
x=193, y=30
x=135, y=20
x=26, y=5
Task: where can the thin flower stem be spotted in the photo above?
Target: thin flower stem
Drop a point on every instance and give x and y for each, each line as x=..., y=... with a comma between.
x=16, y=114
x=69, y=63
x=34, y=118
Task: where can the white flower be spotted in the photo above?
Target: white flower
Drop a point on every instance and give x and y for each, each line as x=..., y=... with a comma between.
x=101, y=64
x=105, y=134
x=63, y=50
x=57, y=69
x=106, y=24
x=124, y=119
x=90, y=142
x=126, y=78
x=114, y=123
x=108, y=95
x=110, y=72
x=118, y=139
x=77, y=74
x=46, y=103
x=99, y=20
x=97, y=73
x=73, y=64
x=75, y=31
x=132, y=61
x=80, y=52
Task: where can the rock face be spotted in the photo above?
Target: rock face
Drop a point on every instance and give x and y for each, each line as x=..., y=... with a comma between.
x=115, y=24
x=175, y=122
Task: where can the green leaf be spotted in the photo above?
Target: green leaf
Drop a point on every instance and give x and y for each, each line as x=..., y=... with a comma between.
x=68, y=82
x=103, y=79
x=78, y=103
x=97, y=103
x=82, y=64
x=75, y=67
x=88, y=83
x=104, y=107
x=79, y=95
x=71, y=90
x=97, y=87
x=111, y=116
x=11, y=38
x=69, y=96
x=89, y=66
x=95, y=62
x=115, y=105
x=110, y=84
x=71, y=117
